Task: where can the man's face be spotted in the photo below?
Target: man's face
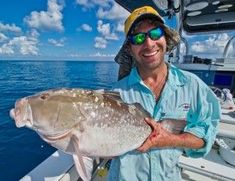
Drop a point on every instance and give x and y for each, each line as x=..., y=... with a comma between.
x=150, y=54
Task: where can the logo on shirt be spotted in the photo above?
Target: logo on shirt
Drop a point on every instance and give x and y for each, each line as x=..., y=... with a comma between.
x=185, y=106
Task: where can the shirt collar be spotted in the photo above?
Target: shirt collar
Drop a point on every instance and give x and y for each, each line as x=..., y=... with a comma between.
x=175, y=76
x=134, y=77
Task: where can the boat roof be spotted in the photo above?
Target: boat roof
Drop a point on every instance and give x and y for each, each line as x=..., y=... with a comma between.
x=204, y=16
x=130, y=5
x=194, y=16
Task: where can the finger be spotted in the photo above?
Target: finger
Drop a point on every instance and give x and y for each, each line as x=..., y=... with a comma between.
x=148, y=143
x=152, y=123
x=145, y=146
x=148, y=121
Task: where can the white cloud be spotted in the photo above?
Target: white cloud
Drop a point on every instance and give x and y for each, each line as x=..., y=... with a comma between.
x=116, y=12
x=92, y=3
x=82, y=2
x=6, y=49
x=22, y=44
x=3, y=37
x=107, y=9
x=7, y=27
x=98, y=54
x=76, y=55
x=222, y=39
x=120, y=26
x=57, y=43
x=47, y=20
x=85, y=3
x=86, y=27
x=34, y=33
x=100, y=42
x=103, y=3
x=214, y=44
x=198, y=47
x=104, y=30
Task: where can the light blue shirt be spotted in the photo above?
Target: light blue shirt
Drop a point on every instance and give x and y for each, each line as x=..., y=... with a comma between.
x=184, y=96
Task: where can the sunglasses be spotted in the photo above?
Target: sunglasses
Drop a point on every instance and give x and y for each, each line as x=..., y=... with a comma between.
x=139, y=38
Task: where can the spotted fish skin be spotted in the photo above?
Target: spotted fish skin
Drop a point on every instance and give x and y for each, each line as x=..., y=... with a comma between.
x=99, y=122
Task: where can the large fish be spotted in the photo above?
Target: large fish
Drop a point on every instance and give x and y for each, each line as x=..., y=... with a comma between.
x=84, y=122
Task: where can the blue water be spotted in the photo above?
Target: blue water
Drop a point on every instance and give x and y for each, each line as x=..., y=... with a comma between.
x=22, y=149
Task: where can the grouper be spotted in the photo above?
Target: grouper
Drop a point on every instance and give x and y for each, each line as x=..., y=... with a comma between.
x=84, y=123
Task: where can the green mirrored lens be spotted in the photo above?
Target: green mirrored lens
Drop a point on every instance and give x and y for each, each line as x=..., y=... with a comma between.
x=139, y=38
x=155, y=33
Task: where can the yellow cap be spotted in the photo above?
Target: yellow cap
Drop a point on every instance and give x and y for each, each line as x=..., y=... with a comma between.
x=145, y=11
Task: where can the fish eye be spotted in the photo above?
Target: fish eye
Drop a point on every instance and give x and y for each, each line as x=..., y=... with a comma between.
x=44, y=96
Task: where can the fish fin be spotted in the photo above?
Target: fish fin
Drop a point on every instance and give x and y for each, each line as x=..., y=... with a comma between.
x=85, y=168
x=113, y=95
x=140, y=107
x=98, y=91
x=173, y=125
x=84, y=164
x=117, y=97
x=83, y=112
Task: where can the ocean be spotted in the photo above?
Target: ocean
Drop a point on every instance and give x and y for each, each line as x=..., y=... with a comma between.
x=21, y=149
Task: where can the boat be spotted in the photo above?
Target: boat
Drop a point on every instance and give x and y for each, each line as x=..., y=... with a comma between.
x=198, y=18
x=192, y=17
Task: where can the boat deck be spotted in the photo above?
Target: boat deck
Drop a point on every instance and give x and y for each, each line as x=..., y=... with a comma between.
x=60, y=166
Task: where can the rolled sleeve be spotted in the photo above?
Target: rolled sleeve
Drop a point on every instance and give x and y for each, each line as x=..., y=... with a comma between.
x=204, y=122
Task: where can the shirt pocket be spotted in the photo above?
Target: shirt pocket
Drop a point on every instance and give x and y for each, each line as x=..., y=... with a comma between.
x=175, y=115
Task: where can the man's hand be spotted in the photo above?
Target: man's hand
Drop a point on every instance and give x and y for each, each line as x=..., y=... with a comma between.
x=158, y=138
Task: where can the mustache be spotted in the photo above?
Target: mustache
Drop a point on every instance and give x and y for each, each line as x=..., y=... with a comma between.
x=150, y=49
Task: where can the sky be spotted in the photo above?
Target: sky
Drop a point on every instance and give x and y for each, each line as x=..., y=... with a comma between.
x=73, y=30
x=61, y=29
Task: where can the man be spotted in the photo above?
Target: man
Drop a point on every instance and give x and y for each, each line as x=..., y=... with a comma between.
x=167, y=93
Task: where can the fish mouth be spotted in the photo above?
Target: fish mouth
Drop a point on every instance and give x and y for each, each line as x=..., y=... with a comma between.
x=22, y=113
x=12, y=113
x=56, y=137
